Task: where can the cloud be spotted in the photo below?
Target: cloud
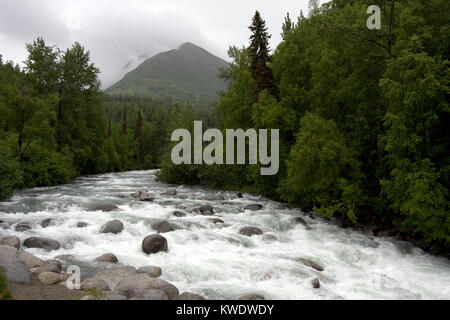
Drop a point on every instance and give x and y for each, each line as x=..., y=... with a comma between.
x=120, y=33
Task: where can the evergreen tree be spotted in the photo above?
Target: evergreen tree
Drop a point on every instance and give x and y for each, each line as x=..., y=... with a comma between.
x=124, y=120
x=287, y=27
x=260, y=56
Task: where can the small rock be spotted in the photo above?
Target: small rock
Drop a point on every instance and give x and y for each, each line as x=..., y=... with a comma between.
x=82, y=224
x=106, y=208
x=107, y=257
x=42, y=243
x=96, y=283
x=250, y=231
x=239, y=195
x=154, y=243
x=300, y=220
x=311, y=264
x=23, y=226
x=253, y=207
x=154, y=272
x=89, y=298
x=216, y=220
x=49, y=266
x=268, y=237
x=114, y=226
x=315, y=283
x=142, y=196
x=10, y=241
x=47, y=223
x=252, y=297
x=50, y=278
x=172, y=192
x=188, y=296
x=179, y=214
x=205, y=210
x=163, y=227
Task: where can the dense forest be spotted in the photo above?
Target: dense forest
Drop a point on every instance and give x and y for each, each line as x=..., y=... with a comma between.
x=56, y=124
x=363, y=115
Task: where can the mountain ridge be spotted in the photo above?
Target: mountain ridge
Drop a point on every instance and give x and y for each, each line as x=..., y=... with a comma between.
x=189, y=73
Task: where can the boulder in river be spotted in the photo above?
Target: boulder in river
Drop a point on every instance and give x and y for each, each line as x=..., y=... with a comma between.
x=49, y=266
x=140, y=283
x=143, y=196
x=96, y=283
x=253, y=207
x=252, y=296
x=300, y=220
x=216, y=220
x=107, y=257
x=114, y=226
x=23, y=226
x=315, y=283
x=152, y=271
x=64, y=257
x=172, y=192
x=311, y=264
x=189, y=296
x=179, y=214
x=47, y=223
x=154, y=243
x=268, y=237
x=216, y=197
x=163, y=227
x=205, y=210
x=82, y=224
x=239, y=195
x=17, y=272
x=10, y=241
x=250, y=231
x=42, y=243
x=106, y=208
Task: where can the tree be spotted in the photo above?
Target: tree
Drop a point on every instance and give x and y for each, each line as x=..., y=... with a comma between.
x=259, y=51
x=287, y=27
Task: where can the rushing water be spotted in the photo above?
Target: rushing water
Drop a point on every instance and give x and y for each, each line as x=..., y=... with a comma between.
x=214, y=260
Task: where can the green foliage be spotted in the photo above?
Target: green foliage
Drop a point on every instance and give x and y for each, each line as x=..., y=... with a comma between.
x=10, y=174
x=4, y=292
x=323, y=172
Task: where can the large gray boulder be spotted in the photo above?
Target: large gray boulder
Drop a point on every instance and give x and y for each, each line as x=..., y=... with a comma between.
x=10, y=241
x=300, y=220
x=47, y=223
x=114, y=275
x=49, y=266
x=42, y=243
x=154, y=243
x=250, y=231
x=16, y=272
x=143, y=196
x=140, y=283
x=114, y=226
x=114, y=296
x=10, y=254
x=51, y=278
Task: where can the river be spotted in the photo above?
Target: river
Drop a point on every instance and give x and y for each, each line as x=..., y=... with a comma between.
x=214, y=260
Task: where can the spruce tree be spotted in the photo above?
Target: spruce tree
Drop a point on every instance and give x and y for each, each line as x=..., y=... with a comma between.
x=260, y=57
x=124, y=120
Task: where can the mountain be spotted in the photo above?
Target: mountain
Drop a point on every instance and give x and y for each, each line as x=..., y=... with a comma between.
x=188, y=73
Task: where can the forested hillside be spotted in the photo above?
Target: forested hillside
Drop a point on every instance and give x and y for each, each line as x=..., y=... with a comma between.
x=186, y=74
x=363, y=114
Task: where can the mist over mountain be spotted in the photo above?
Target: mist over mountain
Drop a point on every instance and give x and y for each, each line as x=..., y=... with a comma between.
x=188, y=73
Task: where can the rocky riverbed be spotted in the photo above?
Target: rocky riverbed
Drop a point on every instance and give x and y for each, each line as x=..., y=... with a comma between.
x=136, y=238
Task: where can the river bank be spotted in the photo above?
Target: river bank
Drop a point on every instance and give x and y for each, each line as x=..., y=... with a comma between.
x=220, y=244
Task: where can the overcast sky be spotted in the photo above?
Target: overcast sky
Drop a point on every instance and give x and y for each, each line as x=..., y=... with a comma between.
x=119, y=32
